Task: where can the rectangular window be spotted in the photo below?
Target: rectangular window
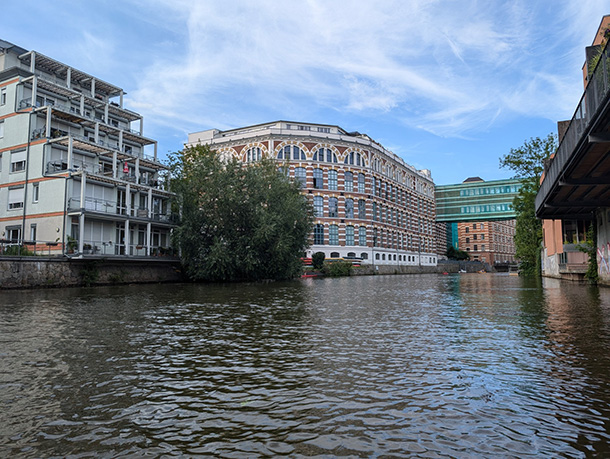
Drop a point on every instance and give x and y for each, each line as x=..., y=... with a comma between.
x=362, y=236
x=33, y=232
x=361, y=209
x=1, y=129
x=18, y=161
x=349, y=181
x=332, y=180
x=361, y=183
x=318, y=179
x=318, y=206
x=35, y=192
x=318, y=234
x=300, y=176
x=3, y=96
x=349, y=235
x=349, y=208
x=15, y=198
x=333, y=207
x=13, y=233
x=333, y=235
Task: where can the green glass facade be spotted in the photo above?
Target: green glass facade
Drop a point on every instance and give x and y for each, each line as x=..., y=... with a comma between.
x=476, y=201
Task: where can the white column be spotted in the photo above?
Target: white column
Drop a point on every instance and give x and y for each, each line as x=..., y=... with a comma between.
x=155, y=151
x=93, y=87
x=82, y=104
x=34, y=90
x=121, y=140
x=128, y=199
x=48, y=127
x=142, y=126
x=121, y=99
x=127, y=241
x=114, y=164
x=150, y=203
x=137, y=170
x=32, y=61
x=97, y=132
x=106, y=113
x=148, y=231
x=70, y=150
x=81, y=219
x=69, y=78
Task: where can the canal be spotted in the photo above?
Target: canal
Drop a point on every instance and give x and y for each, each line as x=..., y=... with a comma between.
x=477, y=365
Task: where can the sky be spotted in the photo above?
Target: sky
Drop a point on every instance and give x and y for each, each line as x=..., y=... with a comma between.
x=450, y=86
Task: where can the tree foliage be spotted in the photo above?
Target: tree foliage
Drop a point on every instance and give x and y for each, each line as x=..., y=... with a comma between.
x=527, y=162
x=455, y=254
x=238, y=222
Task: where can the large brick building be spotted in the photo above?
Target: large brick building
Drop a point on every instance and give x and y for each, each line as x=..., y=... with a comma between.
x=368, y=202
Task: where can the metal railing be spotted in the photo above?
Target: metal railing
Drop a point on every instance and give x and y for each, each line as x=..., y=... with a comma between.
x=29, y=248
x=595, y=96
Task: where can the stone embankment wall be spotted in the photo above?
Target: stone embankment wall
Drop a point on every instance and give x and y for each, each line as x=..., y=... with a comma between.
x=442, y=267
x=37, y=272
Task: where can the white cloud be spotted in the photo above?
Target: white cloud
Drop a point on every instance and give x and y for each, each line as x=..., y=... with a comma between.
x=450, y=68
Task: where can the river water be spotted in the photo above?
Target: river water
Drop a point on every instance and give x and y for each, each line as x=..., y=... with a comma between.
x=476, y=365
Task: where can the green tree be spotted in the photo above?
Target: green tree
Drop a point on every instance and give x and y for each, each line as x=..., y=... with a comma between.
x=238, y=222
x=527, y=162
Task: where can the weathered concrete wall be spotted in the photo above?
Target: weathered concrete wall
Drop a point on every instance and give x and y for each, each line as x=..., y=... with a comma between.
x=37, y=272
x=442, y=267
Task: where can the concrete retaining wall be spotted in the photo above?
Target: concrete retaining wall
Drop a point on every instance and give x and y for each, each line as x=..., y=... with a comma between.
x=38, y=272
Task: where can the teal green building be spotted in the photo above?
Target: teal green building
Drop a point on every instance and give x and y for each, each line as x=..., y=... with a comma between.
x=476, y=200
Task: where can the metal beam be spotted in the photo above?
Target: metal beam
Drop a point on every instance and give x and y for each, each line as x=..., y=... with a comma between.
x=586, y=181
x=599, y=138
x=581, y=204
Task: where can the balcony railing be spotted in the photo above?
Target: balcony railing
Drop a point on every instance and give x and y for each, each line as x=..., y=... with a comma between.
x=594, y=97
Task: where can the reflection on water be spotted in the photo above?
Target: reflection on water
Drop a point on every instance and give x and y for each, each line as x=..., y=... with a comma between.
x=459, y=366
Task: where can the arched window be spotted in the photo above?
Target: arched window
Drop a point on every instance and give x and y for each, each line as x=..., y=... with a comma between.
x=332, y=180
x=349, y=158
x=253, y=154
x=300, y=175
x=291, y=152
x=318, y=206
x=333, y=207
x=333, y=237
x=325, y=154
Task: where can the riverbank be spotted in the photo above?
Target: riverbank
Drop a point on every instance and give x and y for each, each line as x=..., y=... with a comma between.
x=42, y=272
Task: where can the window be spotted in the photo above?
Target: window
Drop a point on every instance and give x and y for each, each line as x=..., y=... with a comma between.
x=474, y=226
x=15, y=197
x=483, y=248
x=474, y=237
x=333, y=207
x=2, y=96
x=291, y=152
x=467, y=240
x=373, y=185
x=475, y=248
x=374, y=211
x=253, y=154
x=18, y=161
x=1, y=129
x=360, y=183
x=333, y=235
x=13, y=233
x=362, y=236
x=349, y=235
x=324, y=130
x=467, y=230
x=332, y=180
x=318, y=234
x=349, y=208
x=300, y=175
x=349, y=181
x=35, y=192
x=482, y=237
x=361, y=209
x=318, y=179
x=33, y=232
x=364, y=256
x=318, y=206
x=324, y=154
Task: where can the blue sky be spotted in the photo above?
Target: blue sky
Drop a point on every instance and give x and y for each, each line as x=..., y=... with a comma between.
x=449, y=86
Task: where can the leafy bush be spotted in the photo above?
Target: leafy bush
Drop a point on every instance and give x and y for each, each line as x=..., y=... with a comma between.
x=317, y=260
x=18, y=250
x=337, y=268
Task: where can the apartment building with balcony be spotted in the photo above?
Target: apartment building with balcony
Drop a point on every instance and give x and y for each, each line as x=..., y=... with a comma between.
x=77, y=174
x=368, y=202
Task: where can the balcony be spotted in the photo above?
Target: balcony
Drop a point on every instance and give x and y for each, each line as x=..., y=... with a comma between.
x=108, y=208
x=577, y=180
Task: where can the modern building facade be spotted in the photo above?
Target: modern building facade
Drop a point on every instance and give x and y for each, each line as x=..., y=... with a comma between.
x=77, y=174
x=368, y=202
x=477, y=216
x=575, y=188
